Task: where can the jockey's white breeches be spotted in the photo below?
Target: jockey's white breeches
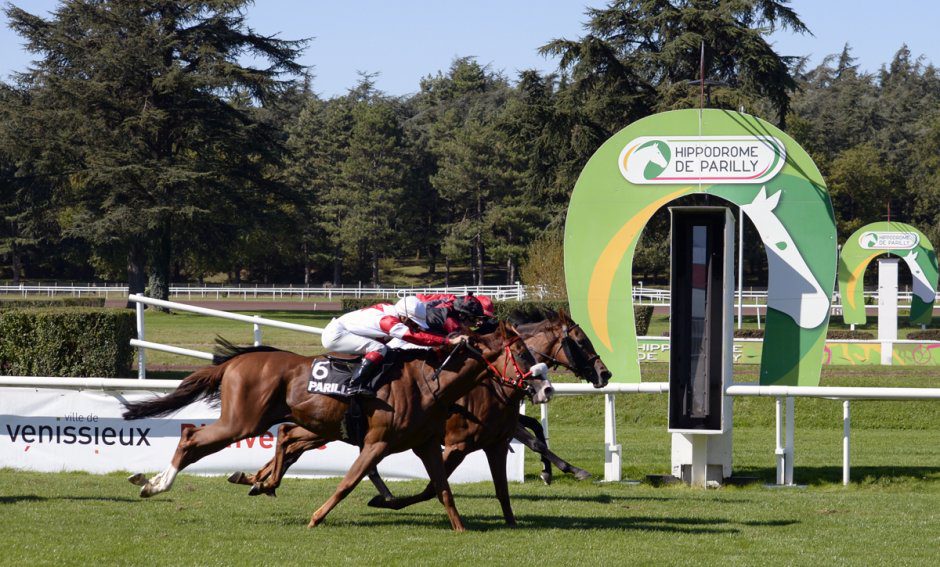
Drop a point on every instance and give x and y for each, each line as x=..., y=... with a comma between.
x=336, y=338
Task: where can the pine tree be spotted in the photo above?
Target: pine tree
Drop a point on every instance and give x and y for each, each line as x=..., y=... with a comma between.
x=134, y=115
x=639, y=54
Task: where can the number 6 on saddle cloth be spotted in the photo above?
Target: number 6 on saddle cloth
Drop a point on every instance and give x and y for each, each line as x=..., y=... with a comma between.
x=331, y=375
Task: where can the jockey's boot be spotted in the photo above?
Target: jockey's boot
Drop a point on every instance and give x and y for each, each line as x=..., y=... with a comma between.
x=362, y=377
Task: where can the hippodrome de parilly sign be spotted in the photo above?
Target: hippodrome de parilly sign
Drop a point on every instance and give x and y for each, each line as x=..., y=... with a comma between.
x=739, y=158
x=901, y=240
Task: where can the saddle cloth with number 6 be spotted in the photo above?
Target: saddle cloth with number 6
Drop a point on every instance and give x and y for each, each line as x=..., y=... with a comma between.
x=331, y=375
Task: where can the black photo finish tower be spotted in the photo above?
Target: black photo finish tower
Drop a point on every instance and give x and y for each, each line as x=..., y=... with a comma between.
x=701, y=350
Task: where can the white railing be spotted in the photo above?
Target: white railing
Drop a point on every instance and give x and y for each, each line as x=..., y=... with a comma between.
x=497, y=292
x=657, y=297
x=784, y=450
x=142, y=344
x=756, y=298
x=612, y=450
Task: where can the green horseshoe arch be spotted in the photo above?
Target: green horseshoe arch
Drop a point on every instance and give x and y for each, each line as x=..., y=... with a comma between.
x=730, y=155
x=905, y=242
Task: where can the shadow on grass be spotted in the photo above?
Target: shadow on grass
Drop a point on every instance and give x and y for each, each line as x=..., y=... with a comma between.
x=21, y=498
x=598, y=498
x=821, y=476
x=34, y=498
x=486, y=523
x=495, y=522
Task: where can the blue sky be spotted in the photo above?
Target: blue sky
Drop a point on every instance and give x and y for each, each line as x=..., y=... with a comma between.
x=408, y=39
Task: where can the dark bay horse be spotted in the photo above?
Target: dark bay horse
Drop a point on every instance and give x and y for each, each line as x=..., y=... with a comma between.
x=261, y=386
x=486, y=418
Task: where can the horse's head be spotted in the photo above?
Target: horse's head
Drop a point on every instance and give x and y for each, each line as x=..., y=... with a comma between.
x=511, y=363
x=558, y=341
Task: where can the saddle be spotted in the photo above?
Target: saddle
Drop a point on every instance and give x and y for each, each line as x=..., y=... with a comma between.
x=331, y=376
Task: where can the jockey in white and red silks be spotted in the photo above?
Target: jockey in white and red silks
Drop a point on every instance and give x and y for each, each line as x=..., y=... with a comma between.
x=366, y=331
x=445, y=313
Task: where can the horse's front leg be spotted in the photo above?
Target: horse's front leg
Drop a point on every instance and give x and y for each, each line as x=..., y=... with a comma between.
x=384, y=493
x=496, y=457
x=367, y=460
x=453, y=456
x=430, y=454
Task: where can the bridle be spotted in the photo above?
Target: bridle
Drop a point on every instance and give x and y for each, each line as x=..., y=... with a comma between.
x=579, y=361
x=501, y=376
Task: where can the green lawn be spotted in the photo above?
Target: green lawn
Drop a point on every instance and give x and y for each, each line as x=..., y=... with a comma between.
x=890, y=514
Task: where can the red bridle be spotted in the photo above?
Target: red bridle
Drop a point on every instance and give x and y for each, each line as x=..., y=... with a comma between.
x=519, y=380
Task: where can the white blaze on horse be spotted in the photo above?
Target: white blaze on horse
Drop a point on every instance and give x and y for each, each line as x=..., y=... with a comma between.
x=793, y=288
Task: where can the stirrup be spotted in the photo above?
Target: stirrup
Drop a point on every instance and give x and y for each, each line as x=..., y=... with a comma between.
x=360, y=392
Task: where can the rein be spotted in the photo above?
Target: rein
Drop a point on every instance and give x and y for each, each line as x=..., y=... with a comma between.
x=566, y=345
x=500, y=376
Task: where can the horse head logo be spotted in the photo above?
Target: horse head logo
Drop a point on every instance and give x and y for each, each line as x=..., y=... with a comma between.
x=922, y=287
x=652, y=158
x=793, y=288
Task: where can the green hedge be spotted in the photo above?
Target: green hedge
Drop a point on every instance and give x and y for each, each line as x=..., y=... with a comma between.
x=925, y=335
x=28, y=303
x=643, y=314
x=354, y=303
x=840, y=334
x=832, y=334
x=66, y=342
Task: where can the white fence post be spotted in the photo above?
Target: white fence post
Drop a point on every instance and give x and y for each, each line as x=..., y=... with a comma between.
x=790, y=425
x=779, y=451
x=612, y=451
x=544, y=415
x=846, y=430
x=141, y=351
x=257, y=330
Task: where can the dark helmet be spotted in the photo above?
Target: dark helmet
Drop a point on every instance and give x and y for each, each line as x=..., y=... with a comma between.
x=468, y=306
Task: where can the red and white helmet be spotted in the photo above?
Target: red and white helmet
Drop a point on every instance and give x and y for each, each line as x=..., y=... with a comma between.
x=486, y=303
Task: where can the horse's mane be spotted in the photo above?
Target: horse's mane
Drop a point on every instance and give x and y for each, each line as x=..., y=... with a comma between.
x=225, y=350
x=535, y=314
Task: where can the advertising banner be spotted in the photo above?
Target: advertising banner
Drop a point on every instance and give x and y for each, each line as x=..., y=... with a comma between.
x=727, y=155
x=56, y=430
x=835, y=353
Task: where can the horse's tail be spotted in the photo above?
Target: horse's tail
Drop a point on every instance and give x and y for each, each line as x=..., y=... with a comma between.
x=203, y=383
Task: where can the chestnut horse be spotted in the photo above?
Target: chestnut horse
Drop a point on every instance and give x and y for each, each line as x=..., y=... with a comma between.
x=262, y=386
x=486, y=418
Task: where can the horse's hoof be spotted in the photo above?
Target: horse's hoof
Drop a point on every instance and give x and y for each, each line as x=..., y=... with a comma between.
x=238, y=478
x=255, y=490
x=271, y=493
x=582, y=475
x=378, y=502
x=546, y=478
x=145, y=491
x=138, y=479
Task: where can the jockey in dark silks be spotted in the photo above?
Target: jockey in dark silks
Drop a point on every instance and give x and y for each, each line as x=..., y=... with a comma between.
x=444, y=313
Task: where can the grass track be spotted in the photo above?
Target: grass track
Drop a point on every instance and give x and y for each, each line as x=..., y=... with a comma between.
x=889, y=515
x=66, y=519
